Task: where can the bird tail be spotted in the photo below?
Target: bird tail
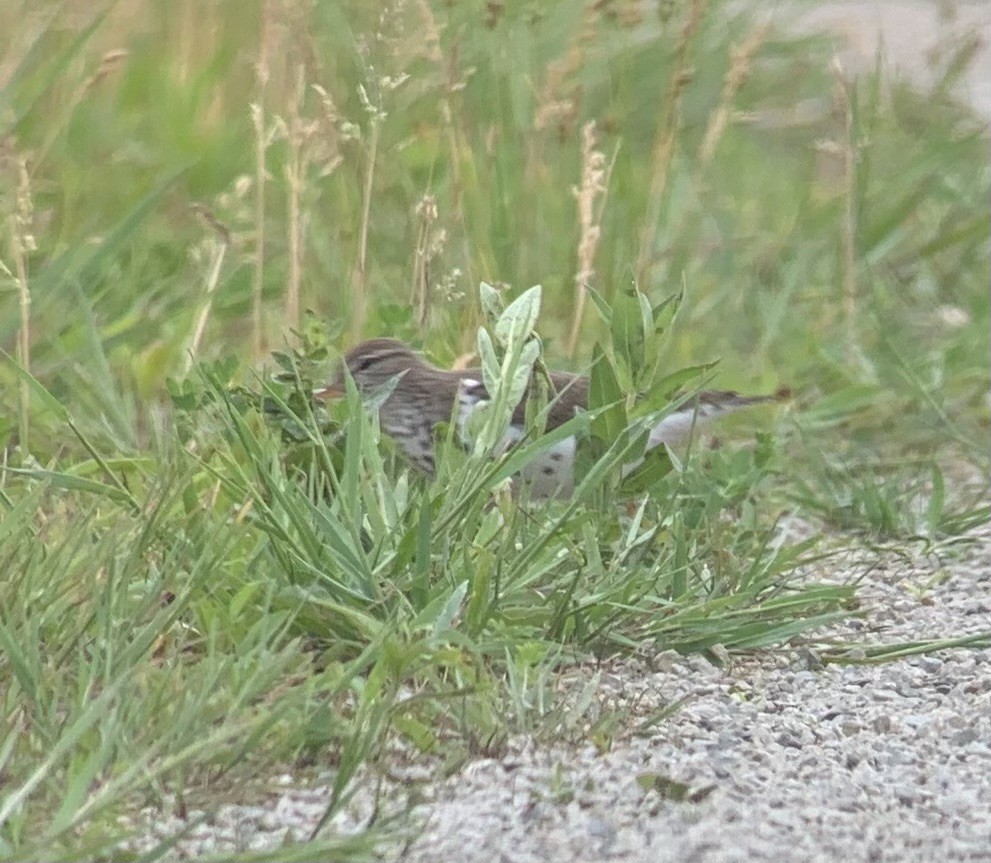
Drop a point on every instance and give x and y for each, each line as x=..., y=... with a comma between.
x=701, y=410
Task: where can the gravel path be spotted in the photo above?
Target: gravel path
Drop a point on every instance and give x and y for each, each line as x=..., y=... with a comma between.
x=774, y=757
x=879, y=763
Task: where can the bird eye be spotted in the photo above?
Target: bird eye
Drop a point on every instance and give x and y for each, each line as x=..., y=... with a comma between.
x=361, y=365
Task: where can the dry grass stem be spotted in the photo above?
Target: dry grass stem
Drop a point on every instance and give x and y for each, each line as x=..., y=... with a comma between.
x=23, y=332
x=664, y=146
x=262, y=76
x=21, y=243
x=736, y=76
x=848, y=225
x=298, y=132
x=593, y=185
x=360, y=280
x=558, y=101
x=219, y=245
x=312, y=139
x=109, y=63
x=453, y=82
x=426, y=210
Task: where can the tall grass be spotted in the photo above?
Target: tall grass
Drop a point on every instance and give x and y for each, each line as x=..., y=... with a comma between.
x=208, y=576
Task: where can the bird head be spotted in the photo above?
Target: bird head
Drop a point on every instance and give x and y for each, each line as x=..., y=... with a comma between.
x=372, y=364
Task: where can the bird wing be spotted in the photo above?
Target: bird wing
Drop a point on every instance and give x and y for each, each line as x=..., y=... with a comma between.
x=571, y=392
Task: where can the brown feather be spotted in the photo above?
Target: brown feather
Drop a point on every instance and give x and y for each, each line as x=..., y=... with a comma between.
x=430, y=392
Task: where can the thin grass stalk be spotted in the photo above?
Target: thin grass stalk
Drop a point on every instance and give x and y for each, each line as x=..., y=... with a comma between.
x=221, y=243
x=848, y=226
x=432, y=50
x=736, y=77
x=5, y=498
x=360, y=280
x=107, y=472
x=21, y=242
x=295, y=170
x=451, y=84
x=593, y=185
x=426, y=209
x=664, y=146
x=109, y=63
x=23, y=332
x=558, y=103
x=262, y=75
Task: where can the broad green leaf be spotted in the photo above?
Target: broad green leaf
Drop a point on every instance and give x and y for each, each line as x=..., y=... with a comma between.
x=519, y=382
x=671, y=383
x=490, y=421
x=517, y=322
x=490, y=361
x=666, y=311
x=627, y=338
x=452, y=607
x=601, y=306
x=605, y=394
x=491, y=301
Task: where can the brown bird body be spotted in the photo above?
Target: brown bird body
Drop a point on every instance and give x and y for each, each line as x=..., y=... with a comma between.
x=425, y=396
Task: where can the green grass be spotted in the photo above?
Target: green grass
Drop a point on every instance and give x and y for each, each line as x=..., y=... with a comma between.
x=209, y=578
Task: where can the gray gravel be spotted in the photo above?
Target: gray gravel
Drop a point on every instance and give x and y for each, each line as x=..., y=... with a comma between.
x=773, y=757
x=888, y=762
x=877, y=763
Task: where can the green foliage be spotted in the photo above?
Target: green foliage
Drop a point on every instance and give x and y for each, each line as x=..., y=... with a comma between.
x=209, y=576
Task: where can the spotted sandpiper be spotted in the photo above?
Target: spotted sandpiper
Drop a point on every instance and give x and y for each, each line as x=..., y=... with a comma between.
x=425, y=395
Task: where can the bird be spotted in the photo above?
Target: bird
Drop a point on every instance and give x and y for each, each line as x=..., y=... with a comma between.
x=424, y=396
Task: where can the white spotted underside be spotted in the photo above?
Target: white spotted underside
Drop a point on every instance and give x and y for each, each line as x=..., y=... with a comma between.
x=551, y=474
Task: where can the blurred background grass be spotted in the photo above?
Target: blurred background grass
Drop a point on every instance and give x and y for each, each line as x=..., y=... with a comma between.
x=800, y=265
